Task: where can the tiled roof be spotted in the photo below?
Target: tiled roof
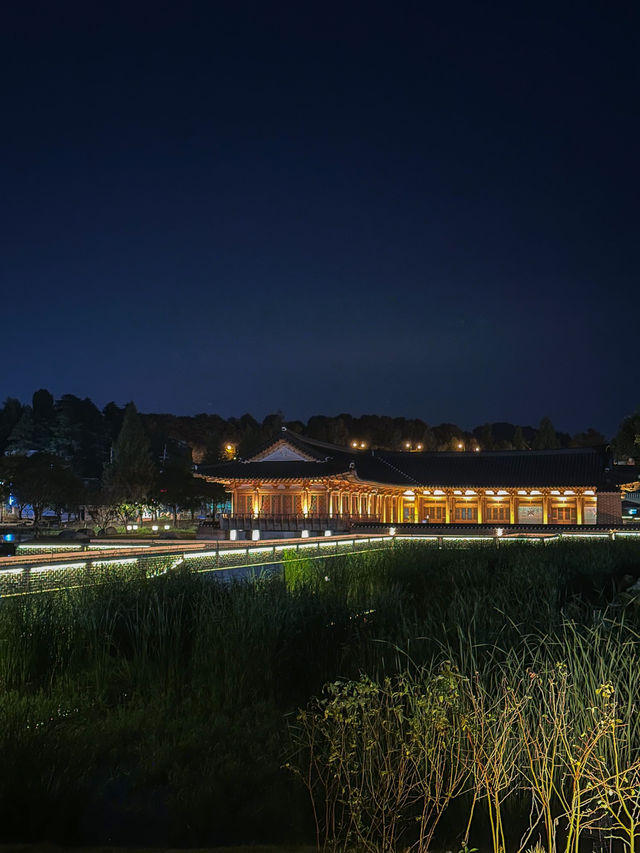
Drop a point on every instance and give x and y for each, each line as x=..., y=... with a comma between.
x=274, y=470
x=500, y=469
x=576, y=467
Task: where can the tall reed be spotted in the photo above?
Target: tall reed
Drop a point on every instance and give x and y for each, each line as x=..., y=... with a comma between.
x=144, y=679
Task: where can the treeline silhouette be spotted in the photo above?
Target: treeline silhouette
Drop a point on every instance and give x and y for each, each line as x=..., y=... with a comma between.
x=77, y=431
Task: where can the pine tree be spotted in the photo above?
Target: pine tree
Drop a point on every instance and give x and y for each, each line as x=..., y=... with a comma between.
x=44, y=421
x=10, y=414
x=21, y=439
x=627, y=440
x=518, y=439
x=486, y=437
x=546, y=438
x=131, y=475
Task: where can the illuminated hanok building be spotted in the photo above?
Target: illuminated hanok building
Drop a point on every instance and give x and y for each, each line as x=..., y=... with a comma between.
x=298, y=483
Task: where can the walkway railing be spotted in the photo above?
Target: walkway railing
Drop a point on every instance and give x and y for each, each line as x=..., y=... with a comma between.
x=31, y=573
x=46, y=572
x=312, y=521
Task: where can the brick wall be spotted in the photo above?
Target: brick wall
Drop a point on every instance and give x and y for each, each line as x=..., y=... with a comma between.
x=609, y=508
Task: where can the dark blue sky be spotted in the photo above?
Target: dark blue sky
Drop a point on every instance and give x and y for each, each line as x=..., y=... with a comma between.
x=410, y=209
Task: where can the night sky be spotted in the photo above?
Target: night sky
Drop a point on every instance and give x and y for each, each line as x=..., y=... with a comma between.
x=415, y=209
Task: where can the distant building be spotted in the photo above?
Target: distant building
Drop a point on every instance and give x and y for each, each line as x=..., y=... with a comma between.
x=297, y=478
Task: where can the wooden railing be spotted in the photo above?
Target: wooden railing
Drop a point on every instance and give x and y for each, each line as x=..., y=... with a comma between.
x=312, y=521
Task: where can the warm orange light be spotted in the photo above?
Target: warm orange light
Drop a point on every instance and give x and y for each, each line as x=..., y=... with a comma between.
x=419, y=447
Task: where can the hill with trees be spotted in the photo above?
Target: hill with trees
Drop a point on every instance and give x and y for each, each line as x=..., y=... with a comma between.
x=66, y=452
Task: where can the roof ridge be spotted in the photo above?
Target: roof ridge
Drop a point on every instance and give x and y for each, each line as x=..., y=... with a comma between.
x=466, y=454
x=314, y=442
x=395, y=468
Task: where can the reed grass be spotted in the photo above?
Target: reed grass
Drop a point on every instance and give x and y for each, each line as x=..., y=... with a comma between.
x=179, y=687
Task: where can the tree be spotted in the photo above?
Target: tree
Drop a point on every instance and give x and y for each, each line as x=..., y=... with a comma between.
x=9, y=471
x=518, y=439
x=5, y=491
x=113, y=416
x=589, y=438
x=100, y=505
x=174, y=487
x=485, y=437
x=448, y=436
x=546, y=438
x=627, y=443
x=178, y=489
x=43, y=480
x=130, y=476
x=81, y=435
x=21, y=440
x=10, y=414
x=44, y=421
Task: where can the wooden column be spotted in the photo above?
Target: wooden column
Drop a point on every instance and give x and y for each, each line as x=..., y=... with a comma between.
x=330, y=503
x=447, y=509
x=579, y=508
x=545, y=509
x=256, y=501
x=480, y=509
x=512, y=509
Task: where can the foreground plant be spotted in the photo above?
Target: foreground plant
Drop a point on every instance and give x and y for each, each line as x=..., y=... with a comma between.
x=437, y=748
x=613, y=777
x=379, y=758
x=355, y=762
x=542, y=720
x=494, y=750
